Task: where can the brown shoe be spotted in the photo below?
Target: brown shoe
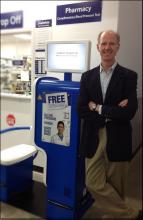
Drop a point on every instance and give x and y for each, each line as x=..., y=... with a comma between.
x=140, y=215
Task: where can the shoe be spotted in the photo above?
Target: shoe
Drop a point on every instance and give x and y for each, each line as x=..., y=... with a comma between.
x=140, y=215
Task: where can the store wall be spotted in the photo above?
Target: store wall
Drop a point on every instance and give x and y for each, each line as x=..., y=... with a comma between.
x=19, y=109
x=130, y=54
x=15, y=49
x=130, y=27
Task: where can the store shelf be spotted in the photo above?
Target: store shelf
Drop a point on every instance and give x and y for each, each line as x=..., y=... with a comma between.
x=16, y=64
x=15, y=96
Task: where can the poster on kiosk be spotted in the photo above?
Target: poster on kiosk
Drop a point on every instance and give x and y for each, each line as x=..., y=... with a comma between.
x=56, y=118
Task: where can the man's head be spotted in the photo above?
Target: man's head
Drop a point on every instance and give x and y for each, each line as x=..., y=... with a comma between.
x=108, y=44
x=60, y=127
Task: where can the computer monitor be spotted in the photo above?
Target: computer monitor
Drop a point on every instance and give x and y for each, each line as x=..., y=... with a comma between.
x=67, y=56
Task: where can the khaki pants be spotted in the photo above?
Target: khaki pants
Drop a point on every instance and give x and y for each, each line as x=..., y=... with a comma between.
x=106, y=181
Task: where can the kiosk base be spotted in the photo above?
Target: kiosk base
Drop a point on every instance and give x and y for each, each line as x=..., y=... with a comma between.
x=58, y=211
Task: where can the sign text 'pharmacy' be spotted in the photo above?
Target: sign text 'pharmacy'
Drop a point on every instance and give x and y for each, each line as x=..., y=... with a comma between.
x=79, y=12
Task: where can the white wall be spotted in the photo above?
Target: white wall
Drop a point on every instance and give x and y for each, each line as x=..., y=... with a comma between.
x=15, y=49
x=130, y=28
x=20, y=109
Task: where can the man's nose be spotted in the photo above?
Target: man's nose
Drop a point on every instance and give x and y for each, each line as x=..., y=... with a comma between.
x=107, y=46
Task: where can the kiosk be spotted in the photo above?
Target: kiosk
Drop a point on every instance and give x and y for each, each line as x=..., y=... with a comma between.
x=56, y=101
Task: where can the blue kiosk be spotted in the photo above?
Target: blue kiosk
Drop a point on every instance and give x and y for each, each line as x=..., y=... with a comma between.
x=56, y=101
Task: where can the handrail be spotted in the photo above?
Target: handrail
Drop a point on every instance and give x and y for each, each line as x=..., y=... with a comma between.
x=15, y=128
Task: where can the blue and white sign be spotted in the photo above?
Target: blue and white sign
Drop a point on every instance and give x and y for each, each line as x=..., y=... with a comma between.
x=11, y=20
x=79, y=13
x=44, y=23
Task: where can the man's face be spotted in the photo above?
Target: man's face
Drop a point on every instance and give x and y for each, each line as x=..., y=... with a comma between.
x=108, y=46
x=60, y=129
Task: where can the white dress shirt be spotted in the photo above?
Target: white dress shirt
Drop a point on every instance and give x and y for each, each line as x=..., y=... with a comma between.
x=55, y=139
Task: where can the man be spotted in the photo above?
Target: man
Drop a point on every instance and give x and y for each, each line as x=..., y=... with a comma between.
x=59, y=138
x=107, y=103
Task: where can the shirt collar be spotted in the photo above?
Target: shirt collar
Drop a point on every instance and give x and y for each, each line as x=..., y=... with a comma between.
x=111, y=69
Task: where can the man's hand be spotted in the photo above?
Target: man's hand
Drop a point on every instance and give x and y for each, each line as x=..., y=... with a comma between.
x=95, y=107
x=123, y=103
x=92, y=105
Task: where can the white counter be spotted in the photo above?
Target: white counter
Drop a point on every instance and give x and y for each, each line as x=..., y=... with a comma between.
x=19, y=96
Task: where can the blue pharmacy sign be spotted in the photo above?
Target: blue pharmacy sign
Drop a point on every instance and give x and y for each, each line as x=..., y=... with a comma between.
x=11, y=20
x=43, y=23
x=79, y=12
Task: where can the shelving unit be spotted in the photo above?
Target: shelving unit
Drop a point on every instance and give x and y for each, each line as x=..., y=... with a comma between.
x=15, y=94
x=15, y=63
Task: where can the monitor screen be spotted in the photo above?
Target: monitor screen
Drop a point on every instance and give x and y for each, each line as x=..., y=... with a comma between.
x=67, y=56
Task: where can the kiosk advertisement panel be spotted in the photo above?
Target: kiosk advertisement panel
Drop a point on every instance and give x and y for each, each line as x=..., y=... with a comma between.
x=56, y=118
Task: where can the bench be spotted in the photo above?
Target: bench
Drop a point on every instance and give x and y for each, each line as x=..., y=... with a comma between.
x=16, y=165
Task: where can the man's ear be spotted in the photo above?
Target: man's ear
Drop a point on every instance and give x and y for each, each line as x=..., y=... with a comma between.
x=118, y=47
x=97, y=47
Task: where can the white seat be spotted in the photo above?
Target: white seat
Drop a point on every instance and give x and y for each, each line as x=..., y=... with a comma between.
x=16, y=154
